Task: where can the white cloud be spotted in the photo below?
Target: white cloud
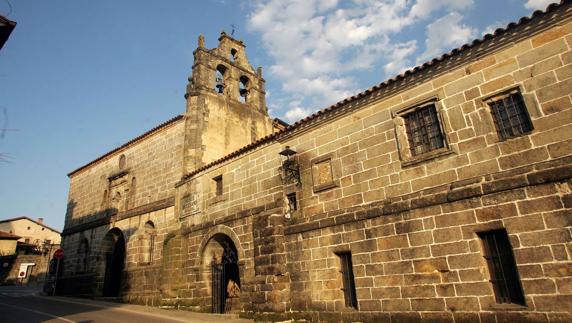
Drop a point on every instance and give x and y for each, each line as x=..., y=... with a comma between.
x=296, y=113
x=446, y=33
x=399, y=61
x=537, y=4
x=317, y=46
x=490, y=29
x=424, y=8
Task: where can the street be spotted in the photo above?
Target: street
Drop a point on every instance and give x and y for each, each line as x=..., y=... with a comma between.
x=20, y=304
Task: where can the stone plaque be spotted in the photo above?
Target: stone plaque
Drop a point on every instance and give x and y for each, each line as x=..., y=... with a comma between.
x=189, y=205
x=322, y=174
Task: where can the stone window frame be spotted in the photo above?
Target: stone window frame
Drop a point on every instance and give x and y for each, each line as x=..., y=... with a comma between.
x=398, y=114
x=333, y=167
x=528, y=102
x=510, y=264
x=217, y=191
x=347, y=276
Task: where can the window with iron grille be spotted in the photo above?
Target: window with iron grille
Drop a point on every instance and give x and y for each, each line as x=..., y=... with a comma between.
x=349, y=286
x=423, y=130
x=510, y=115
x=502, y=267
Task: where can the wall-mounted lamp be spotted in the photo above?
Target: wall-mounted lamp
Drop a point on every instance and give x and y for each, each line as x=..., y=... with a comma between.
x=290, y=168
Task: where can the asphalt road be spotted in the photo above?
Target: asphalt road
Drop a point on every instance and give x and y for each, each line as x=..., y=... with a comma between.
x=22, y=306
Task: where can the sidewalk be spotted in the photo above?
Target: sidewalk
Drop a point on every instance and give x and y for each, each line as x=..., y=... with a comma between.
x=179, y=315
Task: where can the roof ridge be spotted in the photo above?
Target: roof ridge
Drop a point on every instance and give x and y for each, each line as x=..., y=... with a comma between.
x=28, y=218
x=140, y=137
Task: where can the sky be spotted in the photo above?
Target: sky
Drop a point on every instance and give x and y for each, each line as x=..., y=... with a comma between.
x=79, y=78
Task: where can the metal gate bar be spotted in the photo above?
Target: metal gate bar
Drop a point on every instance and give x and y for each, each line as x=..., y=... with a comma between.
x=218, y=288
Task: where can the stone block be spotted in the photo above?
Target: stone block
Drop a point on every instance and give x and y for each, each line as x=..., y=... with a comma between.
x=548, y=36
x=543, y=52
x=395, y=305
x=415, y=252
x=431, y=265
x=538, y=286
x=552, y=236
x=474, y=289
x=502, y=68
x=533, y=255
x=553, y=303
x=392, y=242
x=554, y=91
x=455, y=219
x=540, y=81
x=543, y=204
x=523, y=158
x=422, y=278
x=447, y=234
x=418, y=291
x=400, y=267
x=420, y=238
x=385, y=293
x=462, y=83
x=383, y=256
x=496, y=212
x=524, y=224
x=473, y=260
x=497, y=84
x=428, y=304
x=558, y=269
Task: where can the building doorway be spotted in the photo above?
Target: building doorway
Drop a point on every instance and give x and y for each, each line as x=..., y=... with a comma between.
x=225, y=274
x=113, y=249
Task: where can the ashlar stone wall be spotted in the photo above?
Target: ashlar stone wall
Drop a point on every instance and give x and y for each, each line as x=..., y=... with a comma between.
x=411, y=223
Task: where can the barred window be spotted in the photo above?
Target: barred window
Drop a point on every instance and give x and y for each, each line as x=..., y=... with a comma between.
x=349, y=286
x=510, y=115
x=502, y=267
x=423, y=130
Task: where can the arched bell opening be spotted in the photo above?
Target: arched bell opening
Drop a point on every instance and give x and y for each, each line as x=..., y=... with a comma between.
x=220, y=79
x=244, y=90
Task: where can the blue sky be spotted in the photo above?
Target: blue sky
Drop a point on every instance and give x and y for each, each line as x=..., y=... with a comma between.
x=79, y=78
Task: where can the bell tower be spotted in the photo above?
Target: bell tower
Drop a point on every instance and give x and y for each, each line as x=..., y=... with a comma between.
x=226, y=104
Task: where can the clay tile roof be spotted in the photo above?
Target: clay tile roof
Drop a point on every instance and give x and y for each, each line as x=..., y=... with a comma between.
x=415, y=70
x=130, y=142
x=8, y=236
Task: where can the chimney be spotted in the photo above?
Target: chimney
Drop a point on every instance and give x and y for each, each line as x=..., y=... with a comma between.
x=41, y=220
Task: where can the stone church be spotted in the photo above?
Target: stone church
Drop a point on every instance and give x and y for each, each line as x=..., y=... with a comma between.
x=442, y=194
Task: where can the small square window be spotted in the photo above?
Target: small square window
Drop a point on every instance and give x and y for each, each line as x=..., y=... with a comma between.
x=502, y=267
x=292, y=202
x=349, y=285
x=218, y=185
x=424, y=133
x=510, y=115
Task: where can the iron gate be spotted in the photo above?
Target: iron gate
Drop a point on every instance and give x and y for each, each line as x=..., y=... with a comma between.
x=218, y=287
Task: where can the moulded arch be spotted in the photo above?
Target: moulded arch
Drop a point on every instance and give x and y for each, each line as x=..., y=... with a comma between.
x=224, y=230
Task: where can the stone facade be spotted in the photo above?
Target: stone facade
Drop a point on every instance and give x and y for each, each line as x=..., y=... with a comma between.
x=412, y=213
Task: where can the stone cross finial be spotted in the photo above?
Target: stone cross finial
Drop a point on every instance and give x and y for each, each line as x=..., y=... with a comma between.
x=201, y=41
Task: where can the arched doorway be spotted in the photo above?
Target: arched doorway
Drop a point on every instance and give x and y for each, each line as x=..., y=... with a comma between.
x=113, y=249
x=221, y=256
